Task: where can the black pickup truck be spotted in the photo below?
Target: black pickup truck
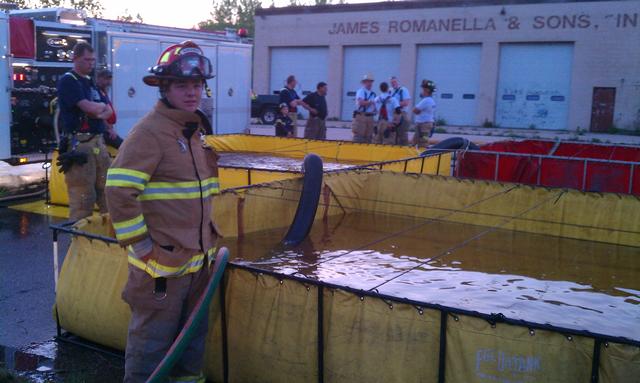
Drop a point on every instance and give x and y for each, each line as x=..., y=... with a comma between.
x=265, y=107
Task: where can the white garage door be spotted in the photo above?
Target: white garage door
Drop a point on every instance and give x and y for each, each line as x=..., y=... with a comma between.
x=382, y=61
x=533, y=85
x=309, y=65
x=456, y=71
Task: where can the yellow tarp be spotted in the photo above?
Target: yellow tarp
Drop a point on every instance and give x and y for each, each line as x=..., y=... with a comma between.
x=478, y=352
x=609, y=218
x=336, y=151
x=298, y=148
x=272, y=326
x=91, y=280
x=369, y=340
x=272, y=329
x=619, y=363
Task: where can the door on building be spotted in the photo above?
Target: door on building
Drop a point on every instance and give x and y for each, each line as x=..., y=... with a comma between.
x=456, y=71
x=534, y=85
x=602, y=108
x=132, y=99
x=381, y=61
x=309, y=65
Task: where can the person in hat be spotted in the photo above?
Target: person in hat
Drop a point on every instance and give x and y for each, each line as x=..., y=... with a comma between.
x=284, y=124
x=104, y=79
x=159, y=195
x=424, y=113
x=363, y=117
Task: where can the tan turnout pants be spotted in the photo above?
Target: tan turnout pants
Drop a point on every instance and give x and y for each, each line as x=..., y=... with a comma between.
x=402, y=130
x=421, y=135
x=316, y=129
x=86, y=183
x=156, y=320
x=362, y=128
x=379, y=138
x=294, y=121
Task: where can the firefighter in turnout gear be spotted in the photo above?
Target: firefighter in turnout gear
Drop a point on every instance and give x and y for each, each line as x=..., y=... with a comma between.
x=83, y=156
x=159, y=191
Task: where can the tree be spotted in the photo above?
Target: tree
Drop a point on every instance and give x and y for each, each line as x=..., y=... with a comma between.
x=231, y=14
x=129, y=18
x=246, y=12
x=92, y=7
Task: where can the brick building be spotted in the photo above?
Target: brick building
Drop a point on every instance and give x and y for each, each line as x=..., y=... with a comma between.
x=561, y=65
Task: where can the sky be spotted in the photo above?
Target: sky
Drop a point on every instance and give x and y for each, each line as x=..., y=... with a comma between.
x=187, y=15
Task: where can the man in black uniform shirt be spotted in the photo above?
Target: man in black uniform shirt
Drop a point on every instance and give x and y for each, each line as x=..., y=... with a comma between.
x=83, y=156
x=316, y=126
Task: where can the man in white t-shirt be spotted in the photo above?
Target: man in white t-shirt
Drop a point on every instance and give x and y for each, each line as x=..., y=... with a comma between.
x=363, y=115
x=402, y=95
x=386, y=105
x=424, y=113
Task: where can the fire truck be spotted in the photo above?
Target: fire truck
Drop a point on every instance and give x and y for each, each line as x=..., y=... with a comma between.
x=35, y=51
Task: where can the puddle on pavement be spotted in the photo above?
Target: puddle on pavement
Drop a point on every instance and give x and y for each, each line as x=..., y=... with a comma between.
x=54, y=361
x=543, y=279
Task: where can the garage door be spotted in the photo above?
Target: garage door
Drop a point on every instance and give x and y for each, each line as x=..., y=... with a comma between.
x=456, y=72
x=309, y=65
x=382, y=61
x=533, y=85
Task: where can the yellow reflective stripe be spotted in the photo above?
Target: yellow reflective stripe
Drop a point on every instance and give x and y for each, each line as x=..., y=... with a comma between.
x=124, y=184
x=130, y=228
x=120, y=177
x=187, y=184
x=165, y=57
x=188, y=379
x=130, y=172
x=168, y=196
x=133, y=221
x=180, y=190
x=155, y=269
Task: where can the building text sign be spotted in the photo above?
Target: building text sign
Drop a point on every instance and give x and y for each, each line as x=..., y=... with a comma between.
x=553, y=22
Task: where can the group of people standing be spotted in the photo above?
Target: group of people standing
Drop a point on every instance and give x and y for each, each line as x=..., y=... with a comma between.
x=377, y=118
x=384, y=118
x=316, y=103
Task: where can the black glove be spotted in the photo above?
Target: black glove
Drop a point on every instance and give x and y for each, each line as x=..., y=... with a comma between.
x=63, y=146
x=68, y=159
x=375, y=130
x=387, y=133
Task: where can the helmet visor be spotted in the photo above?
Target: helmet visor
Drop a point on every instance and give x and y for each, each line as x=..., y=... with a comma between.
x=190, y=66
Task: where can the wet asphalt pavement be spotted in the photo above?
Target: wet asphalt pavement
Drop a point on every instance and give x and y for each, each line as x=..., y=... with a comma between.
x=27, y=325
x=26, y=278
